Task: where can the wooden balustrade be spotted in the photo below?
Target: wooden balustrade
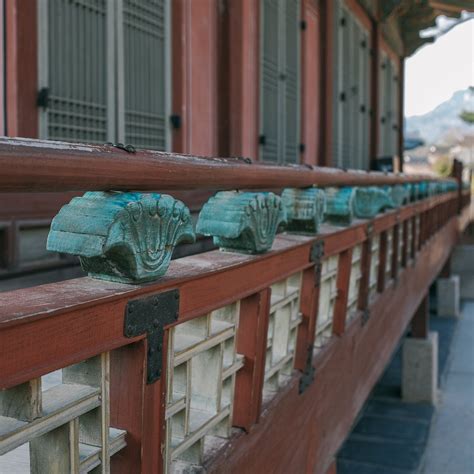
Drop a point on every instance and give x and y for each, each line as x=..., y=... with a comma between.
x=232, y=361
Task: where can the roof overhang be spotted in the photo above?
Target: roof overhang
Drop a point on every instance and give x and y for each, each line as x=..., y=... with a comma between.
x=414, y=16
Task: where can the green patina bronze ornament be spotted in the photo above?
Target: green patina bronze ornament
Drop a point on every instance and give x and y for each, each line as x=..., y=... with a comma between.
x=422, y=189
x=124, y=237
x=370, y=201
x=304, y=209
x=398, y=195
x=340, y=205
x=242, y=221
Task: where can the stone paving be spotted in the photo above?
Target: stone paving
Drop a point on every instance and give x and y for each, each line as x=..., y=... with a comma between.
x=451, y=443
x=391, y=436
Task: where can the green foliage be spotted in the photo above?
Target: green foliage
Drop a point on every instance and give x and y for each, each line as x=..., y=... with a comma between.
x=443, y=166
x=467, y=116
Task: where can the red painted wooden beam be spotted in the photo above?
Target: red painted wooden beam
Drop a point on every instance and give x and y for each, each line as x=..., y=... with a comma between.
x=33, y=165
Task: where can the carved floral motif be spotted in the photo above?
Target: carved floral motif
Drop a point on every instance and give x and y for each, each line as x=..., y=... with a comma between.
x=304, y=209
x=127, y=237
x=242, y=221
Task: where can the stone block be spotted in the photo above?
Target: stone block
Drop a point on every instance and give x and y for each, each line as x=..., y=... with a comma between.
x=448, y=292
x=420, y=369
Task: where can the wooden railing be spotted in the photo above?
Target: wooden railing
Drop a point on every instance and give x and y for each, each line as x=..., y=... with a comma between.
x=232, y=361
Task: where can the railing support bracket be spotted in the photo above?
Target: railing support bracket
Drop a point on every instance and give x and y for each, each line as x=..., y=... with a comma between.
x=149, y=316
x=307, y=376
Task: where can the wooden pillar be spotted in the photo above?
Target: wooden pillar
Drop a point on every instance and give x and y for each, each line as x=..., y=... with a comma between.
x=401, y=112
x=195, y=78
x=421, y=318
x=374, y=81
x=21, y=68
x=243, y=78
x=310, y=82
x=327, y=61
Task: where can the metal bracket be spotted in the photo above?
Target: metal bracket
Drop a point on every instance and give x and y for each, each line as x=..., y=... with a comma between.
x=43, y=98
x=307, y=376
x=121, y=146
x=149, y=316
x=317, y=251
x=316, y=256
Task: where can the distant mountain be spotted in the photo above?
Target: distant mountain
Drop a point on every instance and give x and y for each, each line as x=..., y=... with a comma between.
x=443, y=123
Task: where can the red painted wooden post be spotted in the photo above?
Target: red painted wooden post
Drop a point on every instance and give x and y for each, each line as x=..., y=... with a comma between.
x=421, y=318
x=422, y=233
x=382, y=261
x=194, y=63
x=309, y=309
x=405, y=250
x=251, y=342
x=21, y=68
x=366, y=261
x=401, y=111
x=243, y=77
x=310, y=82
x=340, y=306
x=395, y=249
x=127, y=382
x=374, y=94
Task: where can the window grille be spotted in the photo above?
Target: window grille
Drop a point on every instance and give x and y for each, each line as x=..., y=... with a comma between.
x=202, y=363
x=279, y=138
x=327, y=300
x=104, y=71
x=284, y=318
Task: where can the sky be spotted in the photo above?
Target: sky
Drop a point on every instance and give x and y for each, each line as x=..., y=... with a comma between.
x=438, y=70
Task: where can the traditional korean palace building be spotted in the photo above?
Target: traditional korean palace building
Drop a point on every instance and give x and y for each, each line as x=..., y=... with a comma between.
x=255, y=139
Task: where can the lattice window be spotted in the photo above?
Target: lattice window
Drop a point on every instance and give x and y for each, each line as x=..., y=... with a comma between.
x=389, y=253
x=354, y=282
x=144, y=37
x=284, y=318
x=279, y=88
x=374, y=265
x=202, y=363
x=327, y=300
x=104, y=71
x=67, y=425
x=75, y=70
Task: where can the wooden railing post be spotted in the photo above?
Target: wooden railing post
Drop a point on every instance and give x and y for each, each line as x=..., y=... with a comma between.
x=343, y=278
x=127, y=382
x=395, y=250
x=382, y=262
x=251, y=343
x=420, y=321
x=309, y=310
x=366, y=263
x=405, y=249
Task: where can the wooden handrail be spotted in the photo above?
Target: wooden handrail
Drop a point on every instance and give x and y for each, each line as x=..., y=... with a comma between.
x=61, y=325
x=42, y=166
